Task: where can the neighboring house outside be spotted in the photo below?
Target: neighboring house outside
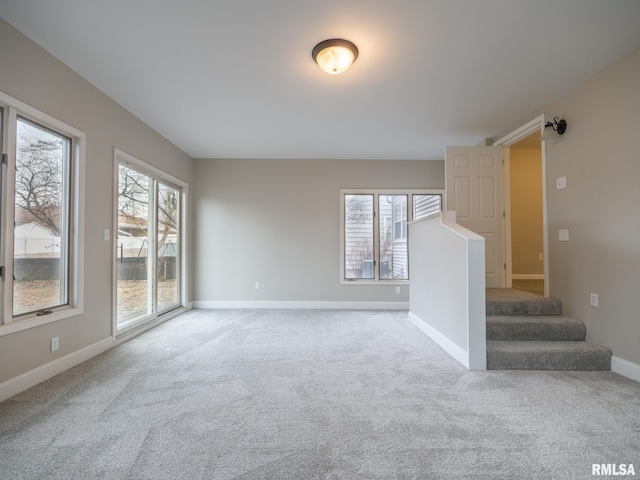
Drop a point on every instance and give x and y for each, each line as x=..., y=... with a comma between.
x=394, y=215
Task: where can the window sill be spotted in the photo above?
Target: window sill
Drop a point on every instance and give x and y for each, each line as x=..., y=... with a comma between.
x=365, y=281
x=33, y=322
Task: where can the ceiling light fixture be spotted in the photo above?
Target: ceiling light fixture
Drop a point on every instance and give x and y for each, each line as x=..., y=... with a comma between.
x=558, y=125
x=335, y=56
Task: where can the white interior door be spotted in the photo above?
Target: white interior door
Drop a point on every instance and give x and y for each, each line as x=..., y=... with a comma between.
x=474, y=181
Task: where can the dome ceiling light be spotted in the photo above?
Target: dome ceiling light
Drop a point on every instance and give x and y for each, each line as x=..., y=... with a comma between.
x=335, y=56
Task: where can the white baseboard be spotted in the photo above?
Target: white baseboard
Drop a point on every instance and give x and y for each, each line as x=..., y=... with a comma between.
x=625, y=368
x=311, y=305
x=527, y=276
x=29, y=379
x=447, y=345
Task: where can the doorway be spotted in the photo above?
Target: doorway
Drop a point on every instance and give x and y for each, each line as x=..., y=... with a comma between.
x=526, y=225
x=525, y=208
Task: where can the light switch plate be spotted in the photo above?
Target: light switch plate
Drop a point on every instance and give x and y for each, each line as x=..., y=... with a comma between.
x=563, y=235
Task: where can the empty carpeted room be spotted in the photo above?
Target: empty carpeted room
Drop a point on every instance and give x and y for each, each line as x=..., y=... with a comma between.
x=342, y=240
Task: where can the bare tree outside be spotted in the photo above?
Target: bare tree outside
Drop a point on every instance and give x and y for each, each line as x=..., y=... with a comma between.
x=41, y=158
x=41, y=211
x=41, y=234
x=133, y=203
x=136, y=190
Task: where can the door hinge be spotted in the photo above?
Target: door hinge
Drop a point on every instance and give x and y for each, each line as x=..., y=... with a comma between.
x=5, y=159
x=504, y=214
x=505, y=266
x=2, y=272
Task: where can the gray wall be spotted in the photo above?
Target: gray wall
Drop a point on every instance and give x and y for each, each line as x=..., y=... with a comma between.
x=33, y=76
x=278, y=222
x=600, y=156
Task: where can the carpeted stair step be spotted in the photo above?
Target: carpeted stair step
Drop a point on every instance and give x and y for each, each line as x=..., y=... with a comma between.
x=535, y=328
x=513, y=302
x=554, y=355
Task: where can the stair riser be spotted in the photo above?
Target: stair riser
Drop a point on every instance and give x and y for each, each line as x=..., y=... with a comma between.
x=567, y=361
x=524, y=308
x=536, y=333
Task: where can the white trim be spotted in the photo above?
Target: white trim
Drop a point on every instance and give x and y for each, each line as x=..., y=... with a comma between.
x=122, y=158
x=527, y=129
x=29, y=379
x=127, y=159
x=625, y=368
x=302, y=305
x=447, y=345
x=508, y=239
x=75, y=268
x=126, y=335
x=527, y=276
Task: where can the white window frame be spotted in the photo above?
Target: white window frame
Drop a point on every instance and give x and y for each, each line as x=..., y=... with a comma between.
x=123, y=158
x=12, y=109
x=376, y=230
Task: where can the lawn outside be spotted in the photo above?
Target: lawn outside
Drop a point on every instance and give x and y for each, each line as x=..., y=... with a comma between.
x=32, y=295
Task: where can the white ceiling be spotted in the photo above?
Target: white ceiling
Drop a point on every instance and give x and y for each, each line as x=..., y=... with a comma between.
x=235, y=78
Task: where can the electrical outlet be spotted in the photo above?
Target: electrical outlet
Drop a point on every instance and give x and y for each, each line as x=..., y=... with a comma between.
x=594, y=299
x=55, y=344
x=397, y=289
x=563, y=235
x=561, y=182
x=257, y=285
x=107, y=235
x=540, y=256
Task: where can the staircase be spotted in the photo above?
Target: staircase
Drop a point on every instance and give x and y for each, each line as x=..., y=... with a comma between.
x=526, y=331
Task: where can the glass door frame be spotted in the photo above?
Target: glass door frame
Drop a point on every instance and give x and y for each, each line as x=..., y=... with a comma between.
x=155, y=315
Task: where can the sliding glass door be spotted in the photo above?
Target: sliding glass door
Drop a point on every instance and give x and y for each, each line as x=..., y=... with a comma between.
x=167, y=255
x=148, y=253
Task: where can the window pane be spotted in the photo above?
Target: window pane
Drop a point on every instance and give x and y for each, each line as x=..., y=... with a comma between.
x=134, y=279
x=41, y=233
x=168, y=247
x=425, y=205
x=393, y=237
x=358, y=237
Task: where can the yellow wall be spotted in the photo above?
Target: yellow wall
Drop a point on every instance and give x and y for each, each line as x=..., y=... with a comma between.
x=526, y=211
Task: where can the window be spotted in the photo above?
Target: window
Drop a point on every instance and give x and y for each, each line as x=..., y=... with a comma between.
x=148, y=252
x=399, y=217
x=426, y=205
x=374, y=243
x=41, y=212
